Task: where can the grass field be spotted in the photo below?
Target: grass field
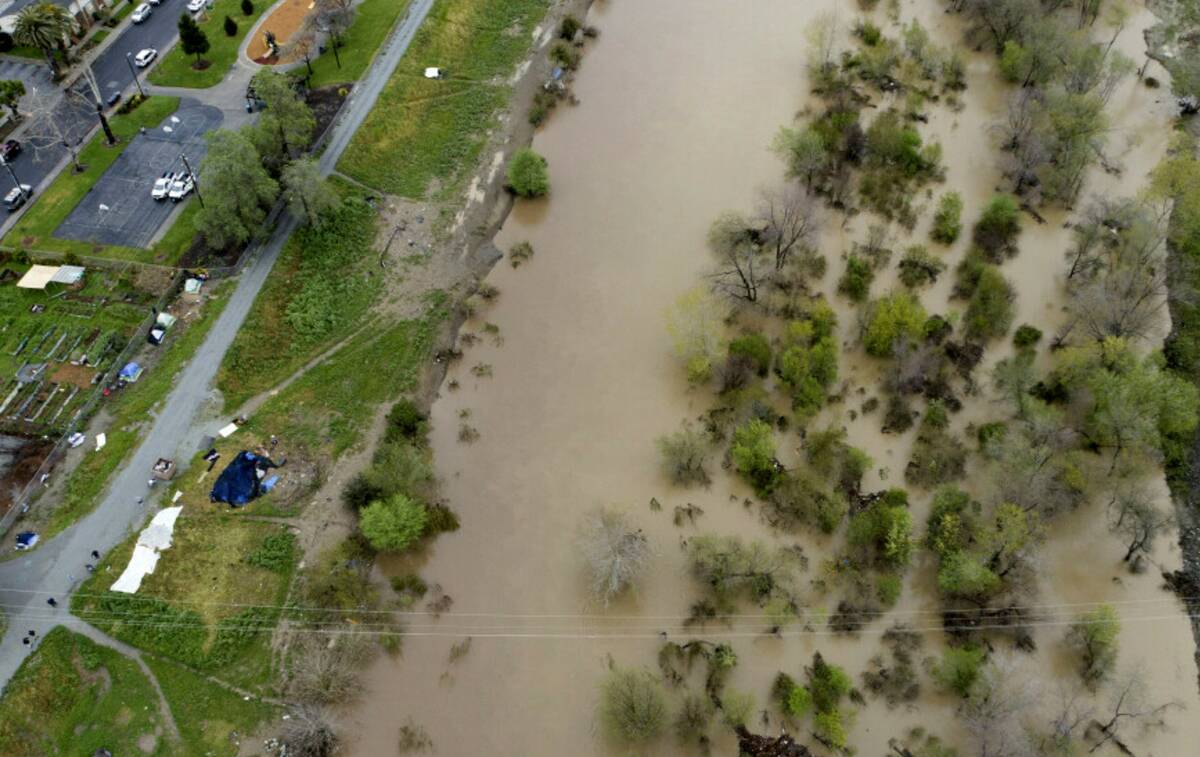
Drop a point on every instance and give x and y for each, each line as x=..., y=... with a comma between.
x=207, y=715
x=206, y=605
x=73, y=696
x=319, y=291
x=373, y=19
x=36, y=227
x=129, y=410
x=423, y=130
x=175, y=68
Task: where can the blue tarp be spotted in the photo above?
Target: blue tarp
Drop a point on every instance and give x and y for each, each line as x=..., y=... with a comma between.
x=238, y=483
x=130, y=371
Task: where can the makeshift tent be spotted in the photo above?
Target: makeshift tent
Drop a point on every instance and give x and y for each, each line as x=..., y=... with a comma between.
x=38, y=276
x=131, y=372
x=241, y=481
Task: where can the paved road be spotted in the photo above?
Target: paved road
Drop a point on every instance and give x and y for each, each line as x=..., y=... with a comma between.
x=55, y=569
x=112, y=74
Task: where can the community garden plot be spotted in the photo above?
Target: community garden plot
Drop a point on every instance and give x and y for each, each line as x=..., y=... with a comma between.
x=118, y=209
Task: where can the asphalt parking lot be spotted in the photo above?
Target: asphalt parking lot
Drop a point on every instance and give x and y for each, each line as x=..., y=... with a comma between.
x=118, y=210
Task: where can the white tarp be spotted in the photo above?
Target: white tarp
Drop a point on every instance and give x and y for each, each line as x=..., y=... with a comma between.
x=38, y=276
x=67, y=274
x=227, y=431
x=154, y=538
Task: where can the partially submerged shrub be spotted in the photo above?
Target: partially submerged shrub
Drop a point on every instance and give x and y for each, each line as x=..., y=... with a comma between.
x=1026, y=336
x=990, y=310
x=959, y=669
x=938, y=456
x=685, y=454
x=947, y=220
x=754, y=347
x=393, y=524
x=918, y=267
x=855, y=282
x=1093, y=636
x=527, y=175
x=996, y=231
x=406, y=421
x=633, y=707
x=695, y=324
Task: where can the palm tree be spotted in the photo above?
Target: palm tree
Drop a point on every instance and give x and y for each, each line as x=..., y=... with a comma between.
x=43, y=26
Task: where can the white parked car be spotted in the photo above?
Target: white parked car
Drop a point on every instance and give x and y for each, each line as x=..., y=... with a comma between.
x=162, y=185
x=140, y=13
x=145, y=57
x=181, y=187
x=195, y=6
x=17, y=197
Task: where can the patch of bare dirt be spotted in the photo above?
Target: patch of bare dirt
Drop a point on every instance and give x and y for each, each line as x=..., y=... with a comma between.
x=78, y=375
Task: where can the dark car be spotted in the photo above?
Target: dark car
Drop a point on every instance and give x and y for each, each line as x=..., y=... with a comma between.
x=10, y=149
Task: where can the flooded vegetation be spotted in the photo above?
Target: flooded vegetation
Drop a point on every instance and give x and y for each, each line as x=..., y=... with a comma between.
x=831, y=404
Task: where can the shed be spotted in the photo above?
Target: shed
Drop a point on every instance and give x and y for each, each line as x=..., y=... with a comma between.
x=38, y=276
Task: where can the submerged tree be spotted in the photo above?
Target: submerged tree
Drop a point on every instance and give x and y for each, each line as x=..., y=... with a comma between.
x=1093, y=636
x=791, y=220
x=615, y=552
x=695, y=324
x=633, y=707
x=742, y=267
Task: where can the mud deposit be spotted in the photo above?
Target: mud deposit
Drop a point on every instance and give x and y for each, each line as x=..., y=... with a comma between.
x=679, y=102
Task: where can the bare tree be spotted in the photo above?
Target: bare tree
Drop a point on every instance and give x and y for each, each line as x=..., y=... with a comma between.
x=735, y=244
x=615, y=552
x=324, y=670
x=308, y=733
x=792, y=220
x=302, y=45
x=1135, y=516
x=1128, y=707
x=1066, y=724
x=48, y=125
x=992, y=715
x=1120, y=272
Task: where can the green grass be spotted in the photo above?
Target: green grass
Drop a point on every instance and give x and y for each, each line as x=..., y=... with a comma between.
x=87, y=481
x=205, y=605
x=100, y=35
x=331, y=406
x=24, y=51
x=373, y=20
x=36, y=227
x=319, y=291
x=175, y=68
x=423, y=130
x=207, y=714
x=73, y=696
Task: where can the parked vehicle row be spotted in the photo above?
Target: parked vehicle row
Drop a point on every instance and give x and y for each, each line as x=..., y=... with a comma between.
x=173, y=185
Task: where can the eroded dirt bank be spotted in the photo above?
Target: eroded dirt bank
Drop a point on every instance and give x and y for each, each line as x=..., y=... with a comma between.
x=679, y=102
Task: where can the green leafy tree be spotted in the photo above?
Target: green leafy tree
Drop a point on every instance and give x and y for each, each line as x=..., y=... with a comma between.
x=307, y=193
x=231, y=27
x=633, y=706
x=753, y=454
x=804, y=151
x=884, y=530
x=43, y=26
x=247, y=7
x=808, y=359
x=695, y=324
x=996, y=231
x=855, y=282
x=891, y=319
x=527, y=175
x=963, y=575
x=286, y=126
x=393, y=524
x=959, y=669
x=11, y=92
x=237, y=189
x=192, y=39
x=990, y=309
x=1094, y=636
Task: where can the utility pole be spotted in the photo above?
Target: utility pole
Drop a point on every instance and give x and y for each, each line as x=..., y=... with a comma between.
x=90, y=77
x=195, y=181
x=132, y=70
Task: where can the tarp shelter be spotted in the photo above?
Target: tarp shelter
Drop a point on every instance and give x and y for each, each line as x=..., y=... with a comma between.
x=38, y=276
x=131, y=372
x=241, y=481
x=68, y=274
x=161, y=324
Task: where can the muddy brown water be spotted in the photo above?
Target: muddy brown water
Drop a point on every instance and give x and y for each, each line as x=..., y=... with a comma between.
x=672, y=129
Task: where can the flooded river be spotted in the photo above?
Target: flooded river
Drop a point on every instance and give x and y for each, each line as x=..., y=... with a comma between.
x=679, y=102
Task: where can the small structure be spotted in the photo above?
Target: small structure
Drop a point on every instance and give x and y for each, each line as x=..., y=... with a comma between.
x=241, y=481
x=26, y=540
x=164, y=469
x=191, y=290
x=130, y=373
x=434, y=73
x=158, y=332
x=39, y=276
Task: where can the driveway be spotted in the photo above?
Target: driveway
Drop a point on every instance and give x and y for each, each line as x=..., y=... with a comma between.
x=118, y=209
